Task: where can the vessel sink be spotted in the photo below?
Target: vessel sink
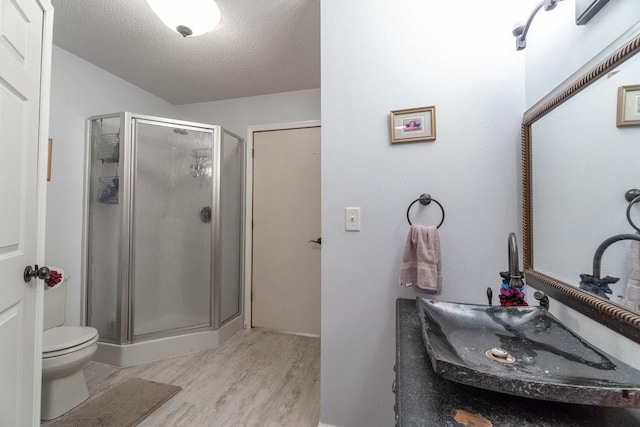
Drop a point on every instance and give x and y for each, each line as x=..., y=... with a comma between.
x=536, y=356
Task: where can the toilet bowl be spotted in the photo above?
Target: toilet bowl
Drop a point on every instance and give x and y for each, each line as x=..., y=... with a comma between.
x=65, y=350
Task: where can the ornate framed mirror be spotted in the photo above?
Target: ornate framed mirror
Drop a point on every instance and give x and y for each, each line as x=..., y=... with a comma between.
x=577, y=165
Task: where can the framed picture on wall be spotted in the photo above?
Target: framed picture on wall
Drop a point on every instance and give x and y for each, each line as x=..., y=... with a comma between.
x=413, y=124
x=628, y=106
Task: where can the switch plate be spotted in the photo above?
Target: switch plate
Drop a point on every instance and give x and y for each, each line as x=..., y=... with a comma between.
x=352, y=219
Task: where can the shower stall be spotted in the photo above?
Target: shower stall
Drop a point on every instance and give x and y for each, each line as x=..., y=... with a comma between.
x=163, y=236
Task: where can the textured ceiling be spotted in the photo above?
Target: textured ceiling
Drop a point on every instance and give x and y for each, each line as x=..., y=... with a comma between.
x=260, y=47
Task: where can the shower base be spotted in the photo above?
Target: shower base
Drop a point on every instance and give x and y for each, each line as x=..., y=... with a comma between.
x=148, y=351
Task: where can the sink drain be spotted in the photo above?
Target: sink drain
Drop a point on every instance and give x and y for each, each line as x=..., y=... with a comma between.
x=499, y=355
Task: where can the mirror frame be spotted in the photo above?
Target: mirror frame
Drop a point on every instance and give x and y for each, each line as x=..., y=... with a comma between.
x=612, y=315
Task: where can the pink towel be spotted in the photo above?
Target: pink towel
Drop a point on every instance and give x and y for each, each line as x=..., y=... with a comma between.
x=421, y=265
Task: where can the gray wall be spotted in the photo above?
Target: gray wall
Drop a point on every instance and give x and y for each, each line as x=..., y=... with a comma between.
x=389, y=55
x=237, y=114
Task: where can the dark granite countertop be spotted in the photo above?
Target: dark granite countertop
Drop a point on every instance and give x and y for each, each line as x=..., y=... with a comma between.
x=425, y=399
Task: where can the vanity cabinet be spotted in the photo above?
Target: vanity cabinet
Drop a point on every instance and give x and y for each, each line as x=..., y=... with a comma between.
x=424, y=399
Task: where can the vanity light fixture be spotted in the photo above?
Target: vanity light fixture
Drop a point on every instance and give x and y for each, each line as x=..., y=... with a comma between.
x=520, y=31
x=187, y=17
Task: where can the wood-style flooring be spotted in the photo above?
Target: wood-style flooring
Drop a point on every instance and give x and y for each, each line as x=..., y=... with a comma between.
x=256, y=378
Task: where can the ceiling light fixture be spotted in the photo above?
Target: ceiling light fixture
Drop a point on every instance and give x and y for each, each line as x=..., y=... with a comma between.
x=187, y=17
x=520, y=31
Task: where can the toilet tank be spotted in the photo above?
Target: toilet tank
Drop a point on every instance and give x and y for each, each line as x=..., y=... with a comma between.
x=55, y=301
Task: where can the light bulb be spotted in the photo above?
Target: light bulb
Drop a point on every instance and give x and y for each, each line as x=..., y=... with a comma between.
x=187, y=17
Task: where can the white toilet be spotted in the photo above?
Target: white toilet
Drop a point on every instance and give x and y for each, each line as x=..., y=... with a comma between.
x=65, y=350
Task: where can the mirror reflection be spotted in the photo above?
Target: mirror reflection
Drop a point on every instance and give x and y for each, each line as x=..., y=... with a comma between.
x=582, y=166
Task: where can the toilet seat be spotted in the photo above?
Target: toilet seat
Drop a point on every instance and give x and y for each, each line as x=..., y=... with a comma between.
x=67, y=339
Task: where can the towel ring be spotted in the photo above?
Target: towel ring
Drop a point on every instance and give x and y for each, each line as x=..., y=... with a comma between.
x=425, y=199
x=631, y=203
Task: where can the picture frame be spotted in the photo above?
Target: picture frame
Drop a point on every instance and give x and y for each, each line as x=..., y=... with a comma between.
x=628, y=106
x=413, y=124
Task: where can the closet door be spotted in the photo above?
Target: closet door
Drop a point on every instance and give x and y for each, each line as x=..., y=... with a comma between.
x=286, y=220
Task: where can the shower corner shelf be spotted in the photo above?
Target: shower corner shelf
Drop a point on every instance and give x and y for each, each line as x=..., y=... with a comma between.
x=108, y=190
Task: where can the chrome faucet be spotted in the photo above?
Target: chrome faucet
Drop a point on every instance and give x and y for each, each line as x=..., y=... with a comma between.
x=515, y=276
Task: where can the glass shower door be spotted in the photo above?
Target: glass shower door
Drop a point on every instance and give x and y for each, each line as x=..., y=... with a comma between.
x=173, y=214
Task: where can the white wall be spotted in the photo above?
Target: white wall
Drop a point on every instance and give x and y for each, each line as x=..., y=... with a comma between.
x=388, y=55
x=79, y=90
x=556, y=48
x=237, y=114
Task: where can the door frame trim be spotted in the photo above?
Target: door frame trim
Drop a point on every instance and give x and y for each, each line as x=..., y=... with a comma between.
x=41, y=204
x=248, y=242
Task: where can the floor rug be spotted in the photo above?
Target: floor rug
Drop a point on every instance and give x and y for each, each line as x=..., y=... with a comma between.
x=124, y=405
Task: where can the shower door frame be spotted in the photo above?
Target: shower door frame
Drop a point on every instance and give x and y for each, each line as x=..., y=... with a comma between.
x=126, y=256
x=214, y=268
x=124, y=166
x=242, y=230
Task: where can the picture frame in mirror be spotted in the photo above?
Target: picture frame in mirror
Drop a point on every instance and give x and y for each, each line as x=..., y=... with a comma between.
x=628, y=106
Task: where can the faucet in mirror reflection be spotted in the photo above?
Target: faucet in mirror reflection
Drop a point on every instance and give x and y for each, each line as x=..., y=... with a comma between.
x=600, y=286
x=512, y=287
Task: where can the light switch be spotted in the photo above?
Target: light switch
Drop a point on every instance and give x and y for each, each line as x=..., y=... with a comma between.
x=352, y=219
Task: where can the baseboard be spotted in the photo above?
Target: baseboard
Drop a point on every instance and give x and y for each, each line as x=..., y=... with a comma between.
x=302, y=334
x=325, y=425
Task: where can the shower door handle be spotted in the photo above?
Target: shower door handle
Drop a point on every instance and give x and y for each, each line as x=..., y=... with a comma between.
x=319, y=241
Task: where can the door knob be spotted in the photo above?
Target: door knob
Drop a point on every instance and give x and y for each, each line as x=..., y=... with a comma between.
x=41, y=273
x=319, y=241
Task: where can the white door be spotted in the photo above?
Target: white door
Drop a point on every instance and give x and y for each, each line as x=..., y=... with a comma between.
x=286, y=216
x=21, y=198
